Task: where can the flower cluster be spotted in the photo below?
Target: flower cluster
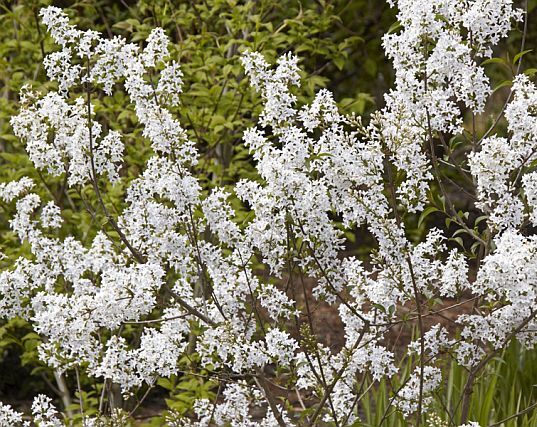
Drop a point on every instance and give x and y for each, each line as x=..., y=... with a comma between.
x=44, y=414
x=435, y=57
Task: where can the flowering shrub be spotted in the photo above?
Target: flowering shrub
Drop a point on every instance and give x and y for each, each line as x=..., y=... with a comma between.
x=177, y=271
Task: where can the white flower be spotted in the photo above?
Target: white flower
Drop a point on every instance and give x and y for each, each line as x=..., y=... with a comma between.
x=10, y=417
x=13, y=189
x=44, y=413
x=408, y=396
x=51, y=216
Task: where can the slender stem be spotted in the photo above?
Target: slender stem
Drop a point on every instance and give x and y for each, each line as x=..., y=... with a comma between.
x=468, y=387
x=139, y=257
x=337, y=377
x=417, y=296
x=149, y=388
x=80, y=396
x=263, y=385
x=519, y=67
x=65, y=395
x=518, y=414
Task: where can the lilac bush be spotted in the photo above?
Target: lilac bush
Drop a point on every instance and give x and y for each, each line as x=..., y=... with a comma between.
x=182, y=269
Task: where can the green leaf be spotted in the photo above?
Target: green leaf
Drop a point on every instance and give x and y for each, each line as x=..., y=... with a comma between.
x=394, y=27
x=165, y=383
x=428, y=211
x=458, y=240
x=460, y=231
x=520, y=55
x=502, y=84
x=474, y=247
x=339, y=62
x=480, y=219
x=127, y=25
x=494, y=61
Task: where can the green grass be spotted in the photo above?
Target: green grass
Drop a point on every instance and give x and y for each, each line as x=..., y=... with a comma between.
x=507, y=386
